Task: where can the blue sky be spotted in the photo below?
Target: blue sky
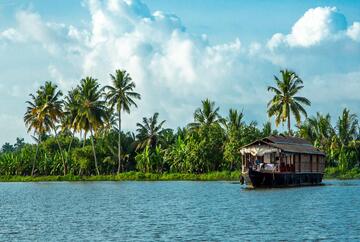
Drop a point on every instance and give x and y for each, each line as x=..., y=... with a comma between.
x=179, y=52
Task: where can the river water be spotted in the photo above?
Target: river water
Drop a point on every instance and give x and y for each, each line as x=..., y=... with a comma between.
x=177, y=211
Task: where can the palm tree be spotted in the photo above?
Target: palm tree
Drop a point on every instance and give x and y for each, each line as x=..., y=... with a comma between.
x=207, y=115
x=52, y=107
x=284, y=101
x=121, y=96
x=36, y=120
x=347, y=127
x=267, y=130
x=317, y=129
x=71, y=110
x=150, y=132
x=92, y=111
x=234, y=120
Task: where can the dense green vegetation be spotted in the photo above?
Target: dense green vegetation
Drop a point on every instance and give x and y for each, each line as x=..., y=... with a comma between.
x=79, y=137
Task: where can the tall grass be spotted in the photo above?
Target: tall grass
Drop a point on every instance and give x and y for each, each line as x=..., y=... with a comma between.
x=337, y=173
x=132, y=176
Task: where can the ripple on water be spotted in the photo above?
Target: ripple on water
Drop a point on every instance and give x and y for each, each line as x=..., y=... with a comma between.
x=180, y=211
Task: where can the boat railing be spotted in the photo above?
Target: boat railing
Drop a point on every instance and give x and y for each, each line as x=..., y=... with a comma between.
x=272, y=167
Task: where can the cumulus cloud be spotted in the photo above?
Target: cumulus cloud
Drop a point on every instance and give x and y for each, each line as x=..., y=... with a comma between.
x=173, y=69
x=354, y=31
x=169, y=65
x=54, y=37
x=320, y=42
x=11, y=35
x=316, y=25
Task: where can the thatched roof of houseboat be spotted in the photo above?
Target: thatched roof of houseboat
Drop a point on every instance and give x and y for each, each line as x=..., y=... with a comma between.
x=288, y=144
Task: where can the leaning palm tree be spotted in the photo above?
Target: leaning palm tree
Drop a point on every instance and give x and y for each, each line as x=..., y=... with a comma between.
x=92, y=111
x=285, y=100
x=121, y=96
x=37, y=121
x=150, y=132
x=207, y=115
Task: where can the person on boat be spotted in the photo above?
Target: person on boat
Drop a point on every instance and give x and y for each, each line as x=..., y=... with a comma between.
x=257, y=163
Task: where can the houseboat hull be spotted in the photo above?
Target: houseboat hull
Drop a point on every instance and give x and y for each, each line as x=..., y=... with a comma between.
x=254, y=179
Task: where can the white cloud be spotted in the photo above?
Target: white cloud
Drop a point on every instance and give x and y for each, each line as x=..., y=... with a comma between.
x=354, y=31
x=163, y=58
x=12, y=35
x=54, y=37
x=316, y=25
x=174, y=69
x=325, y=88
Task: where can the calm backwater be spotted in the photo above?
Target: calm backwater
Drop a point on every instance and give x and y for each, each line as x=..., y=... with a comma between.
x=177, y=211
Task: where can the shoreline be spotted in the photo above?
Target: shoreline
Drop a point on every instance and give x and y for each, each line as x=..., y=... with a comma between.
x=139, y=176
x=130, y=176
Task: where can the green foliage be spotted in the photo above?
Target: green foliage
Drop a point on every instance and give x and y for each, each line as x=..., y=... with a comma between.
x=82, y=158
x=285, y=100
x=121, y=96
x=80, y=136
x=151, y=132
x=7, y=148
x=340, y=143
x=204, y=149
x=232, y=156
x=207, y=115
x=336, y=172
x=176, y=155
x=150, y=160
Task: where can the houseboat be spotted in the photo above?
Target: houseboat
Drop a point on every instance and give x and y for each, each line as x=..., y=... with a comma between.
x=281, y=161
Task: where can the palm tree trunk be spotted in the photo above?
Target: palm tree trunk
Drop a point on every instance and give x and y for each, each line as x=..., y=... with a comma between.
x=119, y=142
x=289, y=127
x=84, y=143
x=68, y=150
x=36, y=154
x=94, y=152
x=60, y=149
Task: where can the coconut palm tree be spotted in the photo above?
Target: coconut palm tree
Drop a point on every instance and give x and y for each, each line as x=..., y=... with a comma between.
x=71, y=110
x=267, y=130
x=121, y=96
x=37, y=121
x=207, y=115
x=317, y=129
x=285, y=100
x=347, y=127
x=150, y=132
x=92, y=111
x=52, y=107
x=234, y=120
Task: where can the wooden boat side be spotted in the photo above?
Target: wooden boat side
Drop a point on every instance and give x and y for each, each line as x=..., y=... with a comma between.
x=254, y=179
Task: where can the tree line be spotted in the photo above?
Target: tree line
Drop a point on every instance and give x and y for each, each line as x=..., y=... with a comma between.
x=80, y=133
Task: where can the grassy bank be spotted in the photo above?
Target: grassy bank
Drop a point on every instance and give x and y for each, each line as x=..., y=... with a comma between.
x=330, y=173
x=131, y=176
x=336, y=173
